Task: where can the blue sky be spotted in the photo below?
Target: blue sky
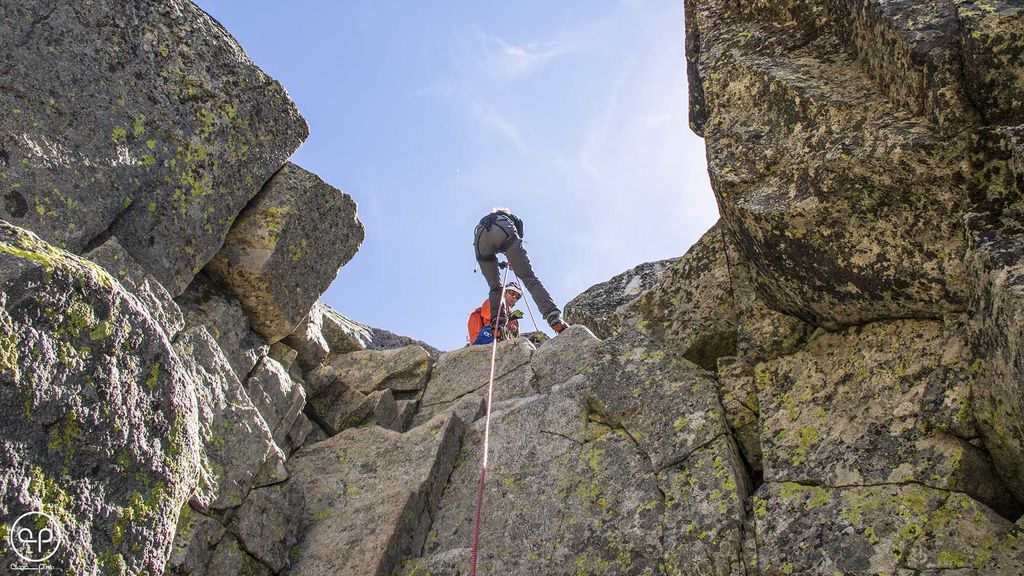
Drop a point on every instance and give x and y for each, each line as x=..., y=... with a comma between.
x=573, y=114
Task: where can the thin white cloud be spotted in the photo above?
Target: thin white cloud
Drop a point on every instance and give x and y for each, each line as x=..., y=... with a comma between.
x=480, y=112
x=488, y=117
x=503, y=59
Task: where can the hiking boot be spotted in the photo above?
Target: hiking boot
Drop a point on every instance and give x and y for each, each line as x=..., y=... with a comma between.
x=556, y=323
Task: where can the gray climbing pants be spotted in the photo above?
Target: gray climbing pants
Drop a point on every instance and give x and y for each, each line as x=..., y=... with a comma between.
x=499, y=239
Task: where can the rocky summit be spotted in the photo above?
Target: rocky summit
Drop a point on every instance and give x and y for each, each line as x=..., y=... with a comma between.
x=830, y=381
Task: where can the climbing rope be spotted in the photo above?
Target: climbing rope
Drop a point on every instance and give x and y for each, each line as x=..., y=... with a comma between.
x=487, y=437
x=528, y=307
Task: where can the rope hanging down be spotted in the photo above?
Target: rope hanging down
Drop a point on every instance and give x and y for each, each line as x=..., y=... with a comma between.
x=528, y=307
x=487, y=437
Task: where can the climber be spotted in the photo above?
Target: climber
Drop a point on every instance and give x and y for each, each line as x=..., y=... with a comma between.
x=508, y=327
x=502, y=232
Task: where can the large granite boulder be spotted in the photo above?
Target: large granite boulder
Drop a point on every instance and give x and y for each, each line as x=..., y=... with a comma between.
x=99, y=423
x=885, y=403
x=841, y=182
x=370, y=494
x=400, y=369
x=286, y=247
x=705, y=306
x=595, y=307
x=692, y=306
x=152, y=125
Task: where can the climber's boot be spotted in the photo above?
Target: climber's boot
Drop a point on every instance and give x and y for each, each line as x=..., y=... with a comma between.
x=556, y=323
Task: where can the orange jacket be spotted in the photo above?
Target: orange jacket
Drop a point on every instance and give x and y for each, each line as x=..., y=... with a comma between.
x=482, y=317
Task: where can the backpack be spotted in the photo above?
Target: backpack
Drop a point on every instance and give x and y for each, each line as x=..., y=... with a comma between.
x=476, y=322
x=479, y=326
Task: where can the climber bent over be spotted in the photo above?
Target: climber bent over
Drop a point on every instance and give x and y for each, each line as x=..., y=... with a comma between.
x=502, y=232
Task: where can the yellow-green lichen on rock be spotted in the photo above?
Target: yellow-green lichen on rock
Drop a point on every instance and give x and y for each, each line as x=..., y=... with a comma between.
x=84, y=410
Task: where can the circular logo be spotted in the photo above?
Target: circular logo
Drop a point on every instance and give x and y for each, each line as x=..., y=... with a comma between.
x=35, y=536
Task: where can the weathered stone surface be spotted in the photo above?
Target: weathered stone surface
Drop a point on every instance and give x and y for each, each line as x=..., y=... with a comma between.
x=286, y=247
x=993, y=43
x=406, y=411
x=553, y=480
x=884, y=403
x=401, y=370
x=153, y=124
x=692, y=307
x=342, y=334
x=230, y=558
x=466, y=371
x=873, y=530
x=206, y=304
x=135, y=279
x=385, y=410
x=669, y=405
x=739, y=399
x=595, y=307
x=302, y=432
x=335, y=404
x=346, y=335
x=584, y=493
x=371, y=477
x=279, y=399
x=997, y=330
x=197, y=537
x=99, y=422
x=909, y=50
x=308, y=340
x=844, y=200
x=561, y=358
x=237, y=445
x=454, y=561
x=704, y=528
x=267, y=523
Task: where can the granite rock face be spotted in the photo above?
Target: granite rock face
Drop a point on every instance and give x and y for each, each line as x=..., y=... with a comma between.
x=369, y=495
x=595, y=307
x=152, y=125
x=828, y=381
x=346, y=335
x=100, y=421
x=466, y=371
x=837, y=153
x=285, y=248
x=206, y=304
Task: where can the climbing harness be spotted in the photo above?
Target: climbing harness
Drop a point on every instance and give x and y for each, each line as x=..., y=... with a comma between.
x=487, y=437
